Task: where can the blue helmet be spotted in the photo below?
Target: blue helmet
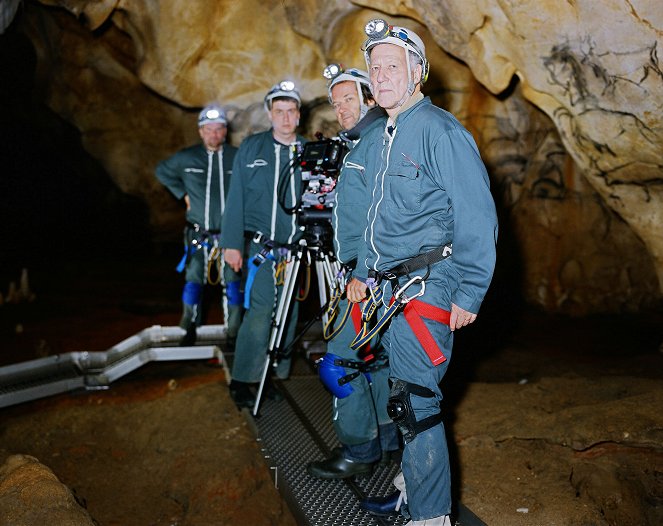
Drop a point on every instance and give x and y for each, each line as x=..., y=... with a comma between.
x=331, y=375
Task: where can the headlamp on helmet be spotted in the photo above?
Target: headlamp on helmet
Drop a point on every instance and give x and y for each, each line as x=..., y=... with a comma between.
x=212, y=114
x=379, y=31
x=284, y=89
x=336, y=73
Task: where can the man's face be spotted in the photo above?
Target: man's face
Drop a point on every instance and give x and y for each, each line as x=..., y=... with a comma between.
x=213, y=135
x=345, y=101
x=388, y=72
x=284, y=116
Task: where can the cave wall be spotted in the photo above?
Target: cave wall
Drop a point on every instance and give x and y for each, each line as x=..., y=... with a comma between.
x=564, y=100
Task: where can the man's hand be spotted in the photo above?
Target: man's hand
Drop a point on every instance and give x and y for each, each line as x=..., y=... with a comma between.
x=187, y=202
x=356, y=291
x=460, y=317
x=233, y=257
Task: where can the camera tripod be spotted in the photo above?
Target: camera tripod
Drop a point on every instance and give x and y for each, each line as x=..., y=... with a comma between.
x=313, y=247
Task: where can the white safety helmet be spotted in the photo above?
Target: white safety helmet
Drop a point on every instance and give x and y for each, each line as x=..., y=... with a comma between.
x=212, y=114
x=335, y=74
x=285, y=88
x=380, y=32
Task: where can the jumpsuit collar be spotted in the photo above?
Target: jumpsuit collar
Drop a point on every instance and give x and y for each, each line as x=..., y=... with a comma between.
x=415, y=99
x=373, y=114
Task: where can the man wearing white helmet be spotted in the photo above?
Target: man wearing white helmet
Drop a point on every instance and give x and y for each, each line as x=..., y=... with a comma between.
x=359, y=414
x=200, y=175
x=430, y=190
x=266, y=182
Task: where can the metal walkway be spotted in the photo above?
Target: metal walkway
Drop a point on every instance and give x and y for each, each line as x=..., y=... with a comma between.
x=298, y=430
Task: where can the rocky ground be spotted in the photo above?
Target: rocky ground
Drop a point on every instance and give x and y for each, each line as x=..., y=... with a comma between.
x=556, y=422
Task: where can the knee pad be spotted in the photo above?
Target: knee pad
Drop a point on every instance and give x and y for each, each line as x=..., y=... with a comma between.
x=192, y=293
x=333, y=376
x=234, y=294
x=399, y=409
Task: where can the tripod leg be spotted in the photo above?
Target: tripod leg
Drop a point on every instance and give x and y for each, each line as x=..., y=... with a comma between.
x=280, y=321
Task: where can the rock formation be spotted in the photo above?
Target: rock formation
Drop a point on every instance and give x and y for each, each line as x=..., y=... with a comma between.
x=565, y=101
x=30, y=494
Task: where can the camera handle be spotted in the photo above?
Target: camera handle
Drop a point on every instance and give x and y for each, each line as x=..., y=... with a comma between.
x=327, y=269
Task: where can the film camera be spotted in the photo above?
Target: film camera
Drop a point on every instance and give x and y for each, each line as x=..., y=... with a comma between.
x=320, y=163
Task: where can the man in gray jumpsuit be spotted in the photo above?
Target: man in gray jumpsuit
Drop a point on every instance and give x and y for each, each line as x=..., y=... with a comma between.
x=200, y=175
x=359, y=407
x=266, y=185
x=430, y=190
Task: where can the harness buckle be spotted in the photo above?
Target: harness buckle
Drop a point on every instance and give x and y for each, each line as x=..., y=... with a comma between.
x=400, y=296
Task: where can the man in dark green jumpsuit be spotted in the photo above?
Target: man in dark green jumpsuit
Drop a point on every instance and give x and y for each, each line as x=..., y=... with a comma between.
x=266, y=181
x=200, y=175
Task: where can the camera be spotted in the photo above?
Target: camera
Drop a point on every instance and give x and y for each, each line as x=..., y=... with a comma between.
x=320, y=163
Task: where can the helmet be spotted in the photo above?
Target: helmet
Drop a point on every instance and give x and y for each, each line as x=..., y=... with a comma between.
x=335, y=74
x=332, y=375
x=285, y=88
x=380, y=32
x=212, y=114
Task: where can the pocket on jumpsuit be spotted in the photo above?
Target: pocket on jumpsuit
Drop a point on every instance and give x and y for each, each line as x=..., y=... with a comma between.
x=405, y=181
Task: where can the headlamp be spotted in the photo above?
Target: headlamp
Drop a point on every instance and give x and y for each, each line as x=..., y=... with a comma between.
x=332, y=71
x=377, y=29
x=212, y=114
x=287, y=85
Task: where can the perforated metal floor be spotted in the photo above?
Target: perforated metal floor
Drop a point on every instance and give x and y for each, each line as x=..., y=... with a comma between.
x=297, y=430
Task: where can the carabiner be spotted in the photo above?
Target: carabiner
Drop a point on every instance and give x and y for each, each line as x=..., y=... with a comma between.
x=401, y=290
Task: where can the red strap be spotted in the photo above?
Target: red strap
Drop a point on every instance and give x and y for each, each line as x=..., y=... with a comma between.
x=414, y=312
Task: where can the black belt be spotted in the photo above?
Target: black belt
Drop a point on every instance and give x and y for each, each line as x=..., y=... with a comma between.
x=350, y=265
x=197, y=228
x=417, y=262
x=260, y=238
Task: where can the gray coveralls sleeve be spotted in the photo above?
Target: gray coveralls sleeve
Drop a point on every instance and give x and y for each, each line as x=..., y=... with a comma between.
x=169, y=173
x=464, y=177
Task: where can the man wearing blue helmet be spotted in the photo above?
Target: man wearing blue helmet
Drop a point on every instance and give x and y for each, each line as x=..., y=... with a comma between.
x=200, y=175
x=359, y=414
x=266, y=181
x=431, y=235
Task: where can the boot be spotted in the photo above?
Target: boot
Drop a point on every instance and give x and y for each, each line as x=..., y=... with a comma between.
x=271, y=391
x=241, y=394
x=382, y=506
x=338, y=467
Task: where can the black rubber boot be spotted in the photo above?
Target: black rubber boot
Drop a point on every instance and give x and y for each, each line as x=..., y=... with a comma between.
x=271, y=391
x=381, y=506
x=338, y=467
x=241, y=394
